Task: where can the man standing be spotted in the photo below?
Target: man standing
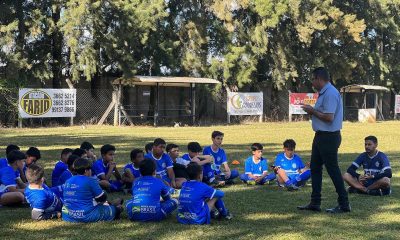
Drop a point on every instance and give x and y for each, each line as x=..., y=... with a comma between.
x=327, y=116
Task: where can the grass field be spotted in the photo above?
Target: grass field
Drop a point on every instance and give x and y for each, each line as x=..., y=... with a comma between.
x=260, y=212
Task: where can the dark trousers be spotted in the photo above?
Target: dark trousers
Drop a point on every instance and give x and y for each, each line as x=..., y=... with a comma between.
x=325, y=152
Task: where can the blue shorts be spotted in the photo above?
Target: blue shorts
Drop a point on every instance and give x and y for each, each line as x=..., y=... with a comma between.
x=99, y=213
x=187, y=218
x=135, y=213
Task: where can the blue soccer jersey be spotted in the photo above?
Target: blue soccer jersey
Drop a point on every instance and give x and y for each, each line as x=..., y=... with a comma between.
x=79, y=196
x=193, y=208
x=7, y=179
x=257, y=169
x=42, y=200
x=99, y=168
x=145, y=205
x=59, y=168
x=3, y=162
x=372, y=165
x=67, y=174
x=291, y=166
x=163, y=163
x=219, y=157
x=135, y=171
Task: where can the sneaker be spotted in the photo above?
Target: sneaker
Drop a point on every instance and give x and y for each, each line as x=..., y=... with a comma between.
x=229, y=182
x=291, y=187
x=375, y=192
x=216, y=183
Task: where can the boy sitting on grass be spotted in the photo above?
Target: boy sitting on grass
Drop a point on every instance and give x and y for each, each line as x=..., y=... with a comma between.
x=11, y=192
x=60, y=166
x=44, y=203
x=164, y=169
x=178, y=163
x=256, y=167
x=131, y=170
x=89, y=150
x=4, y=161
x=32, y=156
x=84, y=200
x=222, y=170
x=197, y=199
x=195, y=155
x=105, y=167
x=146, y=205
x=289, y=168
x=69, y=172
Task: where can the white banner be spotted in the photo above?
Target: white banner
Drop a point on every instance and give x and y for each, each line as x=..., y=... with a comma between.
x=240, y=103
x=397, y=104
x=43, y=103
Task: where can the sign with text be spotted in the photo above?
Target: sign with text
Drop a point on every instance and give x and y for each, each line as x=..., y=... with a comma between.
x=297, y=99
x=397, y=104
x=241, y=103
x=44, y=102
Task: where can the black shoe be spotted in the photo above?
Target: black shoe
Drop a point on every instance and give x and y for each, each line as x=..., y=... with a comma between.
x=292, y=187
x=310, y=207
x=375, y=192
x=215, y=214
x=229, y=182
x=228, y=216
x=386, y=191
x=339, y=209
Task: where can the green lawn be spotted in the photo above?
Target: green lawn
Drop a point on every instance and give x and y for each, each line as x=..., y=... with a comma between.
x=260, y=212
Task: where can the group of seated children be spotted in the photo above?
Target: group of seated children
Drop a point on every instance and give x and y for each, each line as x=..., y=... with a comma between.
x=79, y=180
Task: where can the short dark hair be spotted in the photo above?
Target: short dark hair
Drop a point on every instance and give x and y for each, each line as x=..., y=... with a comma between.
x=216, y=134
x=106, y=148
x=194, y=147
x=171, y=146
x=33, y=152
x=81, y=165
x=86, y=146
x=135, y=152
x=11, y=148
x=148, y=147
x=159, y=141
x=66, y=151
x=34, y=173
x=147, y=167
x=194, y=170
x=371, y=138
x=256, y=146
x=71, y=160
x=322, y=73
x=14, y=156
x=79, y=152
x=289, y=144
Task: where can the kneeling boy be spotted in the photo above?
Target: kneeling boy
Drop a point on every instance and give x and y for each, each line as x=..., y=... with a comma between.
x=256, y=167
x=289, y=167
x=145, y=205
x=44, y=203
x=84, y=200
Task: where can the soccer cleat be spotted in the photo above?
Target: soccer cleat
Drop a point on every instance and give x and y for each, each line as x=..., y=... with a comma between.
x=215, y=214
x=251, y=182
x=291, y=187
x=228, y=216
x=339, y=209
x=176, y=193
x=386, y=191
x=310, y=207
x=375, y=192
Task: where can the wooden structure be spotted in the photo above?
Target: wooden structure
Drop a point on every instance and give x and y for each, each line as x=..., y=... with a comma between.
x=155, y=81
x=365, y=91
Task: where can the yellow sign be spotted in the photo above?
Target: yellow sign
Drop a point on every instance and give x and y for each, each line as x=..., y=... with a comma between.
x=36, y=102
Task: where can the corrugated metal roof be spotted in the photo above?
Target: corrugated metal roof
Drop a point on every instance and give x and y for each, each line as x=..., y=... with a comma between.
x=356, y=88
x=163, y=81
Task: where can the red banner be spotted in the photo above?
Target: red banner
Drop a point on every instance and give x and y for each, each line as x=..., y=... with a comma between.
x=298, y=99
